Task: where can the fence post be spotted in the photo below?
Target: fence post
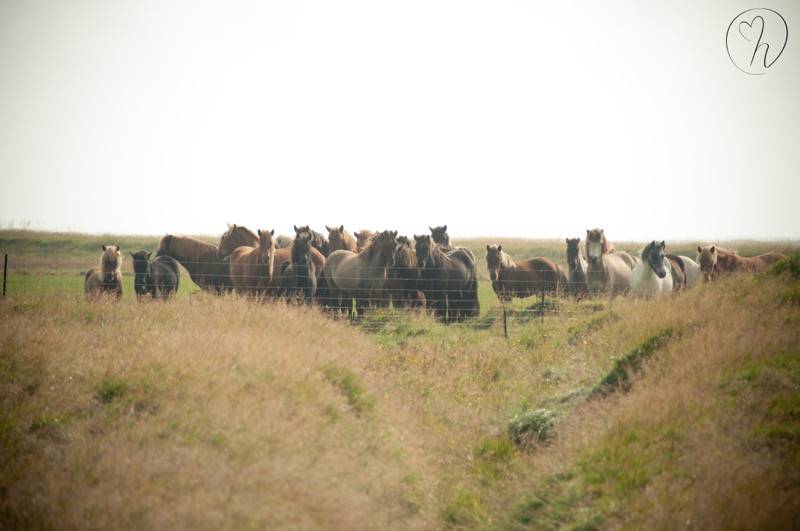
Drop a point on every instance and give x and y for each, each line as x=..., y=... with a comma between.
x=505, y=324
x=5, y=272
x=541, y=303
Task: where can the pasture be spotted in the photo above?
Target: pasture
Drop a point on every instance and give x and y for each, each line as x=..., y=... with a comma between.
x=216, y=412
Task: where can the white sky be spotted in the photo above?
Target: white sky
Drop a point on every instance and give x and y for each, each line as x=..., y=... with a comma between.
x=512, y=118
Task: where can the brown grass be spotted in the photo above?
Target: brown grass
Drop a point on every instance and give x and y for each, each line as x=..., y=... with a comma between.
x=217, y=413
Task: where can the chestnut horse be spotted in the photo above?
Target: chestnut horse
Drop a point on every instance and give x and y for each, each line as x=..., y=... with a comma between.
x=201, y=260
x=522, y=279
x=715, y=261
x=251, y=268
x=341, y=239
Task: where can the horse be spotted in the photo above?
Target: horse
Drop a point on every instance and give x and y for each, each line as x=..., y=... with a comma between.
x=521, y=279
x=341, y=239
x=107, y=279
x=158, y=277
x=404, y=277
x=251, y=268
x=201, y=260
x=449, y=280
x=283, y=241
x=652, y=276
x=715, y=261
x=363, y=237
x=577, y=285
x=235, y=236
x=440, y=236
x=678, y=270
x=318, y=241
x=360, y=276
x=297, y=279
x=691, y=270
x=608, y=269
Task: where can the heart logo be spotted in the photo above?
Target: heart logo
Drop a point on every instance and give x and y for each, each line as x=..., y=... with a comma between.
x=751, y=29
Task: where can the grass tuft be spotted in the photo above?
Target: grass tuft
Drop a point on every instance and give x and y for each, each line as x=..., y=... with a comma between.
x=110, y=389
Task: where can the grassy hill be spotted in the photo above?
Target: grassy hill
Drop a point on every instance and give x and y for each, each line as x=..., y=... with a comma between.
x=218, y=413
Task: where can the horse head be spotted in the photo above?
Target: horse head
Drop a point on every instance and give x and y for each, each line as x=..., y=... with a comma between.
x=423, y=246
x=596, y=246
x=573, y=253
x=494, y=260
x=110, y=262
x=235, y=236
x=440, y=236
x=707, y=258
x=141, y=270
x=654, y=255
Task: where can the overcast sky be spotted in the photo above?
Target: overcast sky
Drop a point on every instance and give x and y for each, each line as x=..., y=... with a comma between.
x=512, y=118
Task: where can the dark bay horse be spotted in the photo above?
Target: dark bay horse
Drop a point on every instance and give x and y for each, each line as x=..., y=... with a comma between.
x=201, y=260
x=404, y=277
x=107, y=279
x=449, y=280
x=318, y=241
x=341, y=239
x=251, y=268
x=159, y=277
x=360, y=276
x=297, y=279
x=577, y=284
x=440, y=237
x=522, y=279
x=715, y=261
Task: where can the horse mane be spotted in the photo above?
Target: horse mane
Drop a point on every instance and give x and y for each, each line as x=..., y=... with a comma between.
x=117, y=259
x=598, y=235
x=506, y=260
x=241, y=228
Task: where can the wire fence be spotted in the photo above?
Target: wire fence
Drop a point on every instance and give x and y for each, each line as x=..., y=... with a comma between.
x=376, y=298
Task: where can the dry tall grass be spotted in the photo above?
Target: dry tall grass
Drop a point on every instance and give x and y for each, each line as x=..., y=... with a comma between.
x=217, y=413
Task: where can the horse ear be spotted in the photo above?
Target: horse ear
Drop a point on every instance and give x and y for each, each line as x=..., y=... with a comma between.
x=272, y=232
x=327, y=228
x=713, y=249
x=499, y=248
x=341, y=228
x=104, y=247
x=488, y=247
x=663, y=244
x=444, y=228
x=699, y=249
x=295, y=228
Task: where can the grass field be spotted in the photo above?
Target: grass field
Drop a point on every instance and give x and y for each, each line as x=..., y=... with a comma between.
x=210, y=412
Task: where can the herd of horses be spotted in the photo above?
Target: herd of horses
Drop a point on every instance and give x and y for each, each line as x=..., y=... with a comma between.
x=347, y=273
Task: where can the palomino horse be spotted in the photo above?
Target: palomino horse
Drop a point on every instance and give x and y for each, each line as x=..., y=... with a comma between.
x=158, y=277
x=318, y=241
x=363, y=237
x=360, y=276
x=298, y=278
x=107, y=279
x=521, y=279
x=608, y=269
x=652, y=276
x=251, y=268
x=715, y=261
x=341, y=239
x=577, y=286
x=449, y=280
x=403, y=283
x=201, y=260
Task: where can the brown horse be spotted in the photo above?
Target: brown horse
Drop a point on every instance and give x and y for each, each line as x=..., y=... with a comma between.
x=341, y=239
x=577, y=285
x=363, y=237
x=201, y=260
x=715, y=261
x=318, y=241
x=107, y=279
x=251, y=268
x=403, y=283
x=522, y=279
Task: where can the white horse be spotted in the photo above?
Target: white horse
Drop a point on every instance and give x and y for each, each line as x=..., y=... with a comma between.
x=652, y=276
